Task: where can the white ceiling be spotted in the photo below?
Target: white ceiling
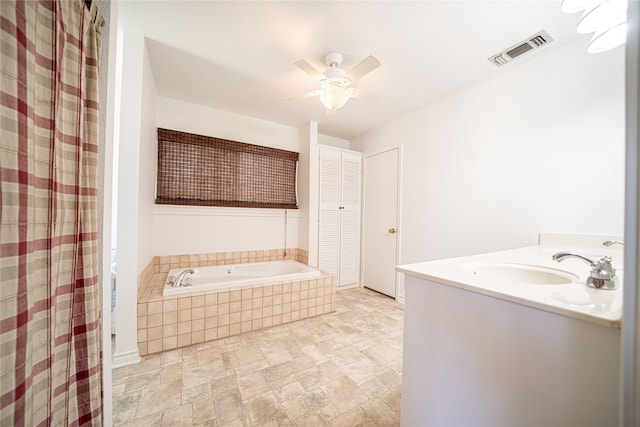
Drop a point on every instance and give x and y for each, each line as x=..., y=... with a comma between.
x=239, y=56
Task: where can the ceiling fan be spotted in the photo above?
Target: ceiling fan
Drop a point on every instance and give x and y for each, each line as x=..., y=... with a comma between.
x=335, y=83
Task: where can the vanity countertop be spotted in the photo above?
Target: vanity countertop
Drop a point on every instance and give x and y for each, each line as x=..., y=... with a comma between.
x=572, y=299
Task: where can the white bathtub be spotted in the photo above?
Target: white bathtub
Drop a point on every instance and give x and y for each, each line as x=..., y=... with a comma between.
x=227, y=276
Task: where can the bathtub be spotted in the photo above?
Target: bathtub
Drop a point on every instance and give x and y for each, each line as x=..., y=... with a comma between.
x=235, y=275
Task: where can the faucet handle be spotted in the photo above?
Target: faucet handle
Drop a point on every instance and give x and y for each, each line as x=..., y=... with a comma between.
x=603, y=275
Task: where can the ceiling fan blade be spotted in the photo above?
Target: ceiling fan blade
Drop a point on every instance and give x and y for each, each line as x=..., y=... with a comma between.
x=304, y=95
x=369, y=64
x=309, y=69
x=364, y=95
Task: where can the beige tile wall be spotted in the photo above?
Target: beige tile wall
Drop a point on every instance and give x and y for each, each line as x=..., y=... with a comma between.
x=162, y=264
x=145, y=276
x=176, y=321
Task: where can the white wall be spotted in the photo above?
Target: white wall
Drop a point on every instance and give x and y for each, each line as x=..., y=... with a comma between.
x=136, y=139
x=107, y=136
x=630, y=372
x=186, y=117
x=148, y=165
x=303, y=187
x=204, y=229
x=190, y=230
x=537, y=148
x=308, y=177
x=333, y=141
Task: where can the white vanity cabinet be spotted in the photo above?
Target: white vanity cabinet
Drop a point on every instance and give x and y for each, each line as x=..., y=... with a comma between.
x=339, y=215
x=508, y=354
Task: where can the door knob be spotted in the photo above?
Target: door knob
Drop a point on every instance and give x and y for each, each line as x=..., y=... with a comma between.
x=392, y=231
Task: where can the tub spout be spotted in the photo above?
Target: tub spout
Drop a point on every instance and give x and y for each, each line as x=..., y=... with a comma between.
x=178, y=281
x=612, y=242
x=602, y=275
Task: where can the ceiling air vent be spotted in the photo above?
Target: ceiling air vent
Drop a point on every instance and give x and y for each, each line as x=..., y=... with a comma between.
x=531, y=43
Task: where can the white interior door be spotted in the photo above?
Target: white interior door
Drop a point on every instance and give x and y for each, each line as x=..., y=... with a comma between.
x=380, y=222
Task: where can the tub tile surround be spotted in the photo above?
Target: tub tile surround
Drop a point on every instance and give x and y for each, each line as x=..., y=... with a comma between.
x=162, y=264
x=340, y=369
x=145, y=276
x=166, y=323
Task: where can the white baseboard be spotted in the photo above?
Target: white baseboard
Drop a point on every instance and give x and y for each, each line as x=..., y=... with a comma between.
x=125, y=359
x=340, y=288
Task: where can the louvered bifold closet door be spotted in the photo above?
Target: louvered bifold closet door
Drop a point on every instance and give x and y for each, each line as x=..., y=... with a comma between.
x=350, y=219
x=329, y=215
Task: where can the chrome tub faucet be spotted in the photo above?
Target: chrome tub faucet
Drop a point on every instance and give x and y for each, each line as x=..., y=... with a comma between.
x=181, y=276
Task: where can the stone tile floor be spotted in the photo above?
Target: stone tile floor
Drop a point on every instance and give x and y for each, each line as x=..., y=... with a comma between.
x=337, y=369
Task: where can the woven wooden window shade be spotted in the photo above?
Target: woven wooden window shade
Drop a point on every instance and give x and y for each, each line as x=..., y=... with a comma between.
x=205, y=171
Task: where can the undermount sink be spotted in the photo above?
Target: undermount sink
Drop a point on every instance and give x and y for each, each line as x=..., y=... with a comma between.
x=522, y=273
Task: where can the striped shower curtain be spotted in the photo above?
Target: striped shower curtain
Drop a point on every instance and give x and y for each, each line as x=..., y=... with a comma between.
x=50, y=352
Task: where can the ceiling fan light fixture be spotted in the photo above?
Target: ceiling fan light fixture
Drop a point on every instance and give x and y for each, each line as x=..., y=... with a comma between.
x=335, y=83
x=608, y=38
x=606, y=18
x=572, y=6
x=334, y=95
x=603, y=15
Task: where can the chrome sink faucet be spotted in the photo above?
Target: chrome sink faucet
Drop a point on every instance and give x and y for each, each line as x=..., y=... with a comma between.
x=612, y=242
x=180, y=277
x=602, y=275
